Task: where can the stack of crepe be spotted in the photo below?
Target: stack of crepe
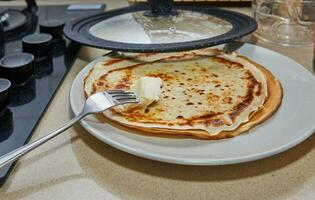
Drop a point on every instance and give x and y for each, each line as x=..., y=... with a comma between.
x=205, y=93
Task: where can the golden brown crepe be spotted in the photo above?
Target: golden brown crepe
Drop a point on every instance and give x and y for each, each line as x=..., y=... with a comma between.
x=205, y=93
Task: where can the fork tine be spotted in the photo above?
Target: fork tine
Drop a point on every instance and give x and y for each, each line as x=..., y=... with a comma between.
x=117, y=96
x=128, y=100
x=122, y=97
x=115, y=91
x=122, y=93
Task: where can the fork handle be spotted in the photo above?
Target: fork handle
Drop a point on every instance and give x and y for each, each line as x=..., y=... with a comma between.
x=15, y=154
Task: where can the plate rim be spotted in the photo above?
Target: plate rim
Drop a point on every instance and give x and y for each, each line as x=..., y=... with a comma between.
x=196, y=162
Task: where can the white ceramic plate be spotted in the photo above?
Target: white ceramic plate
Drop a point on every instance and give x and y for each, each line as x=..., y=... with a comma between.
x=290, y=125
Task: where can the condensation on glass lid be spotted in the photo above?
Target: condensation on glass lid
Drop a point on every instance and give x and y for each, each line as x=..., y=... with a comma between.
x=137, y=28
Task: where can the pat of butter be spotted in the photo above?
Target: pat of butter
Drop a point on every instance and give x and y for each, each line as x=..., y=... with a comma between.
x=148, y=89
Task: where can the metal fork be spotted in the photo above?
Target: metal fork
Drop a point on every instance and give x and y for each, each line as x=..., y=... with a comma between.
x=96, y=103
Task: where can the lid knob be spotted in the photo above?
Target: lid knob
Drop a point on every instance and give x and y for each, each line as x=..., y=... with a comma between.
x=160, y=8
x=52, y=27
x=38, y=44
x=5, y=86
x=17, y=67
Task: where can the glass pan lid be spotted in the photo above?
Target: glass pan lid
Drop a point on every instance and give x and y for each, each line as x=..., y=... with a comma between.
x=137, y=28
x=130, y=29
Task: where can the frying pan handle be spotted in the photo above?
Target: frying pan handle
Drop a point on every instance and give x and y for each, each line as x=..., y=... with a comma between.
x=1, y=40
x=160, y=8
x=31, y=6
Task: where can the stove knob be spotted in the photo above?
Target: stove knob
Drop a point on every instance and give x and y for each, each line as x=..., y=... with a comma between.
x=53, y=27
x=5, y=86
x=18, y=67
x=38, y=44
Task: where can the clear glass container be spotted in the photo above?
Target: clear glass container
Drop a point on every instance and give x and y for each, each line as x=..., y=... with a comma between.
x=285, y=22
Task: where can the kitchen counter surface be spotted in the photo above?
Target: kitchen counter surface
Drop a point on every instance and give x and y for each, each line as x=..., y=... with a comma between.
x=75, y=165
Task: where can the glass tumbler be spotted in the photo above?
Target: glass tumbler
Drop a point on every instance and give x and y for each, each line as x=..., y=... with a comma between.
x=285, y=22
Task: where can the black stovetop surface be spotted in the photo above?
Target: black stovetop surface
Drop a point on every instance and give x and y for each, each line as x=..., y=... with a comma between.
x=28, y=102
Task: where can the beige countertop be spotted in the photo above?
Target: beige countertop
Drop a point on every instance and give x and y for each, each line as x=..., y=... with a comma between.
x=75, y=165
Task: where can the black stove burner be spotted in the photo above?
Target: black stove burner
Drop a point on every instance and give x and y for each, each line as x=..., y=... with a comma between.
x=29, y=100
x=15, y=19
x=17, y=23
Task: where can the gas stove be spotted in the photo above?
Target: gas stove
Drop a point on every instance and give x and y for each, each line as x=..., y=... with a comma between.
x=31, y=93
